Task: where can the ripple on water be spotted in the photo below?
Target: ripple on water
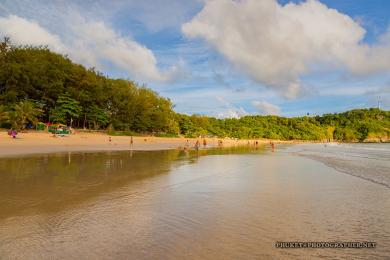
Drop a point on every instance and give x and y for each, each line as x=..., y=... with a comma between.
x=217, y=207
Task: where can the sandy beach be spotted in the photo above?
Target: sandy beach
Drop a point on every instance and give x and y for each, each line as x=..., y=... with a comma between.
x=39, y=142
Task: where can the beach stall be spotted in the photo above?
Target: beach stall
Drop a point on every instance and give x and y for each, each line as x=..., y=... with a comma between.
x=59, y=129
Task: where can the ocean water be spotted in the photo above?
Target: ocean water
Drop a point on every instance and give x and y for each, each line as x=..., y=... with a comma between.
x=367, y=161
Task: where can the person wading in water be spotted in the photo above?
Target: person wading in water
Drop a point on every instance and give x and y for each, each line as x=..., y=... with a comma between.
x=273, y=146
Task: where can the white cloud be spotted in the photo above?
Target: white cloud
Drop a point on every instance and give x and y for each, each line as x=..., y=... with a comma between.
x=276, y=44
x=267, y=108
x=26, y=32
x=232, y=113
x=90, y=43
x=229, y=111
x=96, y=41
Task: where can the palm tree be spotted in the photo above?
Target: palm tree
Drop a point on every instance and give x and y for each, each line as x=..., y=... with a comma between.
x=23, y=113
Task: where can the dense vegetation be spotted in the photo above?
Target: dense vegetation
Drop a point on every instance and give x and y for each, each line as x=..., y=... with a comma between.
x=355, y=125
x=68, y=93
x=39, y=85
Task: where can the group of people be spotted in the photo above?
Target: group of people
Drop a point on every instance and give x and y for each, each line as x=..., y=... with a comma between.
x=197, y=144
x=271, y=143
x=186, y=146
x=131, y=141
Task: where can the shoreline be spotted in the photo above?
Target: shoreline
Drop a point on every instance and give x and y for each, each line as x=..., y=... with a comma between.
x=372, y=166
x=32, y=142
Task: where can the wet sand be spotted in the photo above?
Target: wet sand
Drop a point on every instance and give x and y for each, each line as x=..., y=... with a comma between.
x=174, y=205
x=35, y=142
x=370, y=162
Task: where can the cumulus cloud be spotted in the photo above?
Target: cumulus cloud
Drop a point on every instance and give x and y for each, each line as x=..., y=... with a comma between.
x=232, y=113
x=276, y=44
x=97, y=41
x=230, y=110
x=90, y=43
x=267, y=108
x=26, y=32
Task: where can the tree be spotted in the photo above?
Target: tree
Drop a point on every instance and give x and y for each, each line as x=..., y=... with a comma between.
x=96, y=116
x=330, y=132
x=71, y=94
x=23, y=113
x=3, y=115
x=66, y=109
x=363, y=131
x=5, y=46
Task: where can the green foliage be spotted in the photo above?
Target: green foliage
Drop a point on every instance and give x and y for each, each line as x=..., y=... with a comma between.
x=66, y=109
x=69, y=92
x=193, y=126
x=3, y=115
x=359, y=124
x=64, y=92
x=96, y=117
x=23, y=113
x=351, y=126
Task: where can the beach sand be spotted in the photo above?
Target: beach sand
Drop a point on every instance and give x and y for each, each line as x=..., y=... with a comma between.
x=39, y=142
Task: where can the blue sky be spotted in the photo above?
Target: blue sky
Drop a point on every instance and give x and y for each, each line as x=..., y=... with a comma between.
x=224, y=58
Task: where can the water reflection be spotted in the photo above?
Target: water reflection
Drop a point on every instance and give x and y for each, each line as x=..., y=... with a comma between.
x=231, y=204
x=53, y=181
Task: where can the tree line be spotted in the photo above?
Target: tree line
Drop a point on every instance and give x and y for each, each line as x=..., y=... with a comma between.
x=355, y=125
x=58, y=90
x=38, y=85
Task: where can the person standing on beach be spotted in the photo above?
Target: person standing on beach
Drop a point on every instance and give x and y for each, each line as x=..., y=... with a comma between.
x=109, y=139
x=197, y=144
x=204, y=142
x=131, y=142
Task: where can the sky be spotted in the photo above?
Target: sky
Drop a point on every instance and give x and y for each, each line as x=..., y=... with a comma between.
x=223, y=58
